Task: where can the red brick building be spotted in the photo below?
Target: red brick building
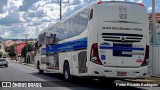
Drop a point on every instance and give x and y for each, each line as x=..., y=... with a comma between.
x=157, y=15
x=18, y=50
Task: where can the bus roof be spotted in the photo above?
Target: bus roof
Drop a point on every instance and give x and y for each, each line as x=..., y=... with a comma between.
x=75, y=13
x=120, y=2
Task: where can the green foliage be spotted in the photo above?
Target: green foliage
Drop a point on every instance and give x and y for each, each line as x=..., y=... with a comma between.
x=1, y=54
x=10, y=50
x=11, y=54
x=24, y=50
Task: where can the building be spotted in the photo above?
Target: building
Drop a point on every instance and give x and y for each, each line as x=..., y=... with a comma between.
x=2, y=50
x=8, y=43
x=18, y=50
x=157, y=17
x=31, y=54
x=157, y=26
x=154, y=60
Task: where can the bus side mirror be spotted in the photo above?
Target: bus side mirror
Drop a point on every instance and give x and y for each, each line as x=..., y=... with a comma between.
x=54, y=38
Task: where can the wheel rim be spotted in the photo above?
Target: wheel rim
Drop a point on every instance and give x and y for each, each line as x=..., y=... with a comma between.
x=39, y=67
x=66, y=74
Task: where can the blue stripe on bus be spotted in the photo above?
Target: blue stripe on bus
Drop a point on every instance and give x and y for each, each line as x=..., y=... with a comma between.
x=121, y=48
x=67, y=46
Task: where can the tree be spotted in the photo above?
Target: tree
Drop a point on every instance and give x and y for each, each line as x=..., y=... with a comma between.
x=24, y=50
x=11, y=54
x=10, y=50
x=1, y=54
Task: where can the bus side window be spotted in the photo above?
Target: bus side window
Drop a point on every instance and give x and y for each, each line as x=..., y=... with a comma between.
x=91, y=14
x=73, y=30
x=83, y=21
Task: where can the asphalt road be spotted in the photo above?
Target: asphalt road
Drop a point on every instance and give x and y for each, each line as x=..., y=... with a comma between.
x=19, y=72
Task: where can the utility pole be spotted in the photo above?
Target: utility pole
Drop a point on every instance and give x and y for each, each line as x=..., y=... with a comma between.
x=153, y=53
x=60, y=9
x=153, y=23
x=26, y=46
x=60, y=2
x=15, y=47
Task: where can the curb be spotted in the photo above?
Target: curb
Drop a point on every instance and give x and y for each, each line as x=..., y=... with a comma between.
x=24, y=63
x=28, y=64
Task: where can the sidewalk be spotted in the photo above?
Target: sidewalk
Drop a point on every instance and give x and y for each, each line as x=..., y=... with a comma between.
x=151, y=80
x=28, y=64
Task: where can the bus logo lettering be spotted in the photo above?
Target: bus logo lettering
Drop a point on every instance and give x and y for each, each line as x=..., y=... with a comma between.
x=123, y=12
x=103, y=57
x=123, y=16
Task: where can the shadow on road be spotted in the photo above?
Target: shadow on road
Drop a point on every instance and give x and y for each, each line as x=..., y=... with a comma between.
x=58, y=81
x=2, y=66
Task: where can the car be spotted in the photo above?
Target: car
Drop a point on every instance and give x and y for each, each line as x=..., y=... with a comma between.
x=3, y=62
x=4, y=56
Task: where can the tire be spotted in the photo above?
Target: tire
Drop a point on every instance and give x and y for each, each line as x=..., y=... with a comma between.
x=6, y=65
x=39, y=70
x=66, y=72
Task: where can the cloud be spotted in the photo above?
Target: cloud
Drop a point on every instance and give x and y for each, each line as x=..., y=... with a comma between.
x=149, y=8
x=139, y=1
x=13, y=5
x=3, y=15
x=2, y=4
x=27, y=4
x=6, y=34
x=10, y=12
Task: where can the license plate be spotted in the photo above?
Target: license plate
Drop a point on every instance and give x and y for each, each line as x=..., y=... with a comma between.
x=121, y=73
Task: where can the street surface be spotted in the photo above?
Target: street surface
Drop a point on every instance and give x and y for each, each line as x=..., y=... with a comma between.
x=19, y=72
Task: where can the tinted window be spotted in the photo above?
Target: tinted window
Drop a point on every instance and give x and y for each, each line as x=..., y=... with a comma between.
x=73, y=31
x=72, y=27
x=62, y=32
x=2, y=60
x=83, y=21
x=91, y=14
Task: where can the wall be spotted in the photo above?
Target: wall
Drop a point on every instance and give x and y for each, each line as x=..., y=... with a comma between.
x=154, y=61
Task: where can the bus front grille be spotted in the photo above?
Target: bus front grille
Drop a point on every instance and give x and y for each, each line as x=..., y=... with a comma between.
x=121, y=37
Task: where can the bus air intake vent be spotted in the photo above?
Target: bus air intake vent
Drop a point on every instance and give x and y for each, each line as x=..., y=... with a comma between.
x=121, y=37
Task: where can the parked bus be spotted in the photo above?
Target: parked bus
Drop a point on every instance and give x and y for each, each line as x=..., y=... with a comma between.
x=108, y=39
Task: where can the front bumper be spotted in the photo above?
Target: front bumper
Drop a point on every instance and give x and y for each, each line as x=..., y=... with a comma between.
x=3, y=63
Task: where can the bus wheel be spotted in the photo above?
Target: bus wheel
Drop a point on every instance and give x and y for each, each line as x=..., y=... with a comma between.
x=66, y=71
x=39, y=69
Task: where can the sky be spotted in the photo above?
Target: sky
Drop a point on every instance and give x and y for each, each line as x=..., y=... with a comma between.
x=19, y=17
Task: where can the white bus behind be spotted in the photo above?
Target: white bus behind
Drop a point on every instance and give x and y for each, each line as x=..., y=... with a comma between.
x=102, y=40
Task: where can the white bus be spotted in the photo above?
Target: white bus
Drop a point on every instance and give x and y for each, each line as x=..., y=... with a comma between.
x=108, y=39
